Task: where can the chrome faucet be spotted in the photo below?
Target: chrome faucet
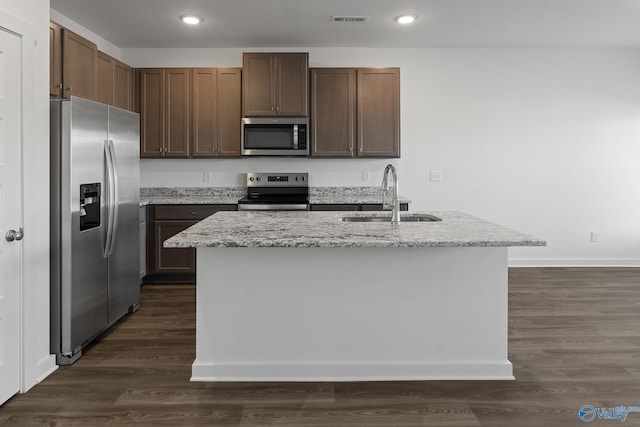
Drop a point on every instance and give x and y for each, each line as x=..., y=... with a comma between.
x=394, y=204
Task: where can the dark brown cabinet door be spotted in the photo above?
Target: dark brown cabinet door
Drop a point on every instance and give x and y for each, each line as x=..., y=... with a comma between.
x=172, y=260
x=104, y=78
x=79, y=65
x=204, y=112
x=378, y=112
x=137, y=88
x=292, y=84
x=229, y=111
x=333, y=111
x=55, y=59
x=177, y=112
x=275, y=84
x=215, y=112
x=122, y=86
x=258, y=84
x=151, y=112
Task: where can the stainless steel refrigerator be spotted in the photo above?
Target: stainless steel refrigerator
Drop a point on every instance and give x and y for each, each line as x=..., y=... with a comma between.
x=95, y=198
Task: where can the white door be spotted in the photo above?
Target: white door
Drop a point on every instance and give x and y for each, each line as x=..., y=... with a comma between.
x=10, y=214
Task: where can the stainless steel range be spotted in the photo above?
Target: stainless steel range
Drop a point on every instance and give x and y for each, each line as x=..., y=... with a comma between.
x=276, y=192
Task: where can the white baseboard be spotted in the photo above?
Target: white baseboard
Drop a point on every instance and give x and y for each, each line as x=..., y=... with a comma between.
x=574, y=262
x=365, y=371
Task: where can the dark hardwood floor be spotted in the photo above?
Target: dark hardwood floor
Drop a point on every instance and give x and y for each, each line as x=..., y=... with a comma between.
x=574, y=339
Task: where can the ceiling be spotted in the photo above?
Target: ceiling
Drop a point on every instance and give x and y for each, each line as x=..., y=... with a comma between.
x=306, y=23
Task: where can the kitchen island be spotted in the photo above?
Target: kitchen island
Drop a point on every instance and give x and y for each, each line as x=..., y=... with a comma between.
x=305, y=296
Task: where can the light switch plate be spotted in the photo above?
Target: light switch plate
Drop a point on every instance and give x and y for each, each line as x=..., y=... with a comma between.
x=435, y=176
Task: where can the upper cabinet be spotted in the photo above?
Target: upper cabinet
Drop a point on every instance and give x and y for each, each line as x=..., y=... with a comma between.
x=123, y=88
x=355, y=112
x=78, y=68
x=190, y=112
x=333, y=112
x=55, y=56
x=73, y=64
x=378, y=112
x=164, y=112
x=104, y=80
x=275, y=84
x=216, y=112
x=79, y=65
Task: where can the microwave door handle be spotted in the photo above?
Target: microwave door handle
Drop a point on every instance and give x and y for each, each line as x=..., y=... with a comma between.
x=295, y=137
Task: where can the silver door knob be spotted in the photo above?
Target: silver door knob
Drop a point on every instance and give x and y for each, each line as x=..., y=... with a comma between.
x=14, y=235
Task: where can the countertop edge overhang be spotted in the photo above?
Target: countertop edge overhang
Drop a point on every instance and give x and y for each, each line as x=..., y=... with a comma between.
x=309, y=229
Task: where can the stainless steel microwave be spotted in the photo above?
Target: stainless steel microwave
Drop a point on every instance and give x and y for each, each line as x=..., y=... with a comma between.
x=275, y=136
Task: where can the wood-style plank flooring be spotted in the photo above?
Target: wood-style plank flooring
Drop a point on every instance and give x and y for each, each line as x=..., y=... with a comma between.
x=574, y=339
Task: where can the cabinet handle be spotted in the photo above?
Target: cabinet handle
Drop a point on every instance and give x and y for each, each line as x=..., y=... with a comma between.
x=351, y=149
x=194, y=213
x=59, y=86
x=160, y=149
x=166, y=150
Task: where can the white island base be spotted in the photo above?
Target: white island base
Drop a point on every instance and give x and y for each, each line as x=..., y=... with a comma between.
x=351, y=314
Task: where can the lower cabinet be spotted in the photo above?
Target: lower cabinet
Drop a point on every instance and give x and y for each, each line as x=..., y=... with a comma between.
x=178, y=265
x=334, y=207
x=354, y=207
x=174, y=265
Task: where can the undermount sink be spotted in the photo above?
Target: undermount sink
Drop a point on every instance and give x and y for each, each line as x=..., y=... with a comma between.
x=378, y=218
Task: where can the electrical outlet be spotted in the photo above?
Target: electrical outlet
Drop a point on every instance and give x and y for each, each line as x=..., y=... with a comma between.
x=207, y=176
x=435, y=176
x=366, y=176
x=595, y=236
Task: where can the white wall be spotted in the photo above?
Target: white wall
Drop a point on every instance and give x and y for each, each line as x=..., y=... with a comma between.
x=30, y=19
x=541, y=140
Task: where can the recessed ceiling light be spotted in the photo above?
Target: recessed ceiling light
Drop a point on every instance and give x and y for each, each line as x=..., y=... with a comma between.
x=191, y=19
x=405, y=19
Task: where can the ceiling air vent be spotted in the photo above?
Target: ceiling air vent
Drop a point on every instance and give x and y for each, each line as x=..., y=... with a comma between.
x=343, y=18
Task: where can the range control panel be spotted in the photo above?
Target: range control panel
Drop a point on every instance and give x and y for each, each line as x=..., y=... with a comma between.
x=277, y=179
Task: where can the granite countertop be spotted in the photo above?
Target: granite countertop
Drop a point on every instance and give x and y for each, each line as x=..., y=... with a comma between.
x=347, y=195
x=324, y=229
x=230, y=195
x=191, y=195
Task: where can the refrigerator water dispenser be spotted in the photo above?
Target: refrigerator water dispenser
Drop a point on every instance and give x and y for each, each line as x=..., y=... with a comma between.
x=89, y=206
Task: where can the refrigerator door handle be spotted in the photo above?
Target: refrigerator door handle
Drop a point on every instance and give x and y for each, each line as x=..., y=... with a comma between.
x=116, y=196
x=110, y=199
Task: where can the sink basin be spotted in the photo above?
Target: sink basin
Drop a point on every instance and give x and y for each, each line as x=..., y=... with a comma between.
x=403, y=218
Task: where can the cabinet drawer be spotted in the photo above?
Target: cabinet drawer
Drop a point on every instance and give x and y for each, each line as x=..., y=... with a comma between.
x=196, y=212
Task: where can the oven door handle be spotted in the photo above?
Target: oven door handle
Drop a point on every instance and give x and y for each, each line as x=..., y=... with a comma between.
x=273, y=207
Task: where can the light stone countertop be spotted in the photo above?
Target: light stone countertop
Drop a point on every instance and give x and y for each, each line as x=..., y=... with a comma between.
x=324, y=229
x=231, y=195
x=191, y=195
